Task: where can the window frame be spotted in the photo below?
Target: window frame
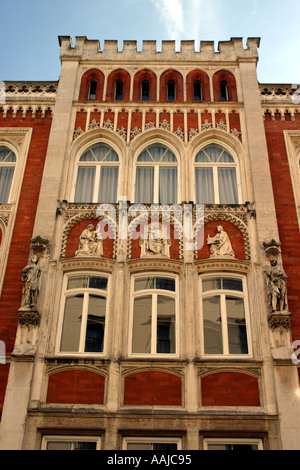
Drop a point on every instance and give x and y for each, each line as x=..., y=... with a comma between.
x=215, y=166
x=232, y=441
x=151, y=440
x=67, y=293
x=156, y=170
x=154, y=292
x=224, y=319
x=72, y=438
x=13, y=165
x=98, y=167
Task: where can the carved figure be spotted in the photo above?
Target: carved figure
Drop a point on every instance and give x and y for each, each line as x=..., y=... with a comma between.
x=159, y=247
x=31, y=279
x=277, y=287
x=89, y=243
x=220, y=245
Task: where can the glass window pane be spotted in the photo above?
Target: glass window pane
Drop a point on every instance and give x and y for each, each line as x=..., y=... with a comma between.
x=167, y=185
x=165, y=283
x=77, y=282
x=162, y=283
x=97, y=282
x=85, y=446
x=211, y=284
x=142, y=318
x=59, y=445
x=95, y=324
x=204, y=186
x=144, y=283
x=7, y=155
x=233, y=284
x=99, y=153
x=72, y=323
x=165, y=446
x=212, y=325
x=165, y=325
x=139, y=446
x=144, y=185
x=108, y=188
x=227, y=186
x=85, y=184
x=6, y=177
x=237, y=334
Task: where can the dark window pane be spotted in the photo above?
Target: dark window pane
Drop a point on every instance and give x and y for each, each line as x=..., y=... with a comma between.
x=233, y=284
x=169, y=447
x=197, y=91
x=237, y=334
x=92, y=90
x=171, y=91
x=95, y=324
x=212, y=326
x=224, y=91
x=98, y=282
x=85, y=446
x=119, y=90
x=165, y=284
x=145, y=90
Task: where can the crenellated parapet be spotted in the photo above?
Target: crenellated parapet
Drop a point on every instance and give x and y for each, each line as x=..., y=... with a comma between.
x=86, y=49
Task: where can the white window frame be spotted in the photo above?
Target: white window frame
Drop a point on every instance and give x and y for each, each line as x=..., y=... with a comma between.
x=224, y=323
x=9, y=165
x=215, y=167
x=73, y=439
x=157, y=166
x=224, y=441
x=85, y=291
x=152, y=440
x=98, y=166
x=154, y=293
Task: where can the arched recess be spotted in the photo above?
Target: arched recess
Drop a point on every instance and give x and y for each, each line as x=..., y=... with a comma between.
x=197, y=76
x=167, y=78
x=143, y=77
x=118, y=86
x=224, y=86
x=91, y=87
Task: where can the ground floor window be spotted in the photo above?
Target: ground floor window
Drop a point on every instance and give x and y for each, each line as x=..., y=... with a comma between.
x=71, y=443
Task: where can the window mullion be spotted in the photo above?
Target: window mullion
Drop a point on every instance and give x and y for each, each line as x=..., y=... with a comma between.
x=224, y=325
x=154, y=324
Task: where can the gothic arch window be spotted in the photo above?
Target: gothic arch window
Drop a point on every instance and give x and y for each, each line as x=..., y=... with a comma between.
x=156, y=176
x=171, y=86
x=197, y=85
x=216, y=176
x=97, y=174
x=144, y=86
x=224, y=86
x=8, y=162
x=91, y=87
x=118, y=86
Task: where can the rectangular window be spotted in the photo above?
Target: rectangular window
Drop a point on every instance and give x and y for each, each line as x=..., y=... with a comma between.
x=71, y=443
x=92, y=90
x=197, y=91
x=224, y=316
x=154, y=313
x=152, y=443
x=145, y=90
x=171, y=90
x=119, y=90
x=233, y=444
x=84, y=314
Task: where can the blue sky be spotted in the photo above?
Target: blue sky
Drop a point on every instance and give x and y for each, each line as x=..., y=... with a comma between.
x=29, y=30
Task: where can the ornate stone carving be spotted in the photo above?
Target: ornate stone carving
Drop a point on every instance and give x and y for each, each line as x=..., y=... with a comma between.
x=206, y=125
x=39, y=245
x=220, y=245
x=89, y=243
x=31, y=279
x=155, y=247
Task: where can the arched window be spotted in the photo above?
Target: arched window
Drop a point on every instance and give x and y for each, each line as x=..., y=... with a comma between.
x=224, y=90
x=215, y=176
x=156, y=176
x=119, y=90
x=171, y=90
x=145, y=90
x=97, y=175
x=197, y=90
x=7, y=167
x=92, y=90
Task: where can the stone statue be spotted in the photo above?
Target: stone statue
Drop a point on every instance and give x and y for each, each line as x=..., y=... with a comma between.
x=220, y=245
x=89, y=243
x=31, y=279
x=277, y=287
x=159, y=247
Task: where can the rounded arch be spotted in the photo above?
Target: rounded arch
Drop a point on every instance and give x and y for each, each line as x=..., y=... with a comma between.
x=224, y=86
x=197, y=76
x=118, y=86
x=149, y=77
x=91, y=87
x=174, y=77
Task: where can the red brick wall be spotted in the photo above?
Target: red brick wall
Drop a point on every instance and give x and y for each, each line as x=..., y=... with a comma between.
x=76, y=386
x=80, y=120
x=229, y=389
x=235, y=236
x=76, y=231
x=286, y=210
x=11, y=295
x=152, y=388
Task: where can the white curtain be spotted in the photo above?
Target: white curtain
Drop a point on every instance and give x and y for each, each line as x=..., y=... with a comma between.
x=167, y=185
x=85, y=184
x=6, y=176
x=204, y=186
x=144, y=185
x=108, y=184
x=227, y=186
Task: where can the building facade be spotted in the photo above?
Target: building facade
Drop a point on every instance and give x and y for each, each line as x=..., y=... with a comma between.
x=149, y=223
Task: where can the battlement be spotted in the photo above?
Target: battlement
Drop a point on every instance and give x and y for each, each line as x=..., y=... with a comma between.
x=228, y=51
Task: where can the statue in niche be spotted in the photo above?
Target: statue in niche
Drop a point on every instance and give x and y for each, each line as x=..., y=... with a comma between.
x=277, y=286
x=31, y=280
x=156, y=245
x=220, y=245
x=89, y=243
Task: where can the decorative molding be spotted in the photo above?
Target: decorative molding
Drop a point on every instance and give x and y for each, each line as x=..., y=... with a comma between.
x=96, y=264
x=29, y=316
x=280, y=321
x=140, y=265
x=218, y=265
